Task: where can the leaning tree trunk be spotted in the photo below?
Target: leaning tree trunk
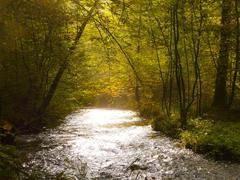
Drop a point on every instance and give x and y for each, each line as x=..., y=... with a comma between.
x=46, y=101
x=220, y=97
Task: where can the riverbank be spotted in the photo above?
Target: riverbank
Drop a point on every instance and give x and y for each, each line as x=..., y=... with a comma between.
x=216, y=139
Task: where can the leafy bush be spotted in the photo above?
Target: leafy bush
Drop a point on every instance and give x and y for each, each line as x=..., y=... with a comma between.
x=9, y=165
x=169, y=126
x=220, y=140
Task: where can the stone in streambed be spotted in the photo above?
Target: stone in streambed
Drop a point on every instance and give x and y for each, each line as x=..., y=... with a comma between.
x=134, y=167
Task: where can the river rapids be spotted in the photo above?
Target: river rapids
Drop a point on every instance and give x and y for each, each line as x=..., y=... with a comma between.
x=112, y=144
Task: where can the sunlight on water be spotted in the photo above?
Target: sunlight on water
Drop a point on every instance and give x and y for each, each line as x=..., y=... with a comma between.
x=99, y=117
x=105, y=141
x=94, y=138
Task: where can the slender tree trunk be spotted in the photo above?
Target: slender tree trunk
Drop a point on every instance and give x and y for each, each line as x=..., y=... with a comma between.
x=137, y=94
x=220, y=97
x=196, y=42
x=237, y=65
x=138, y=51
x=164, y=99
x=178, y=69
x=46, y=101
x=0, y=108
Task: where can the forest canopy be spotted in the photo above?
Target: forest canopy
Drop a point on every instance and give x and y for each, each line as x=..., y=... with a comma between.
x=175, y=62
x=177, y=58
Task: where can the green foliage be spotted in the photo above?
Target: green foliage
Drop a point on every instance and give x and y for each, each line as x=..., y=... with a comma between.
x=169, y=126
x=36, y=37
x=156, y=56
x=9, y=162
x=220, y=140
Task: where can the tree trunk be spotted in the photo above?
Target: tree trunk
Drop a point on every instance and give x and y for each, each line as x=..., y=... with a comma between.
x=46, y=101
x=220, y=97
x=237, y=65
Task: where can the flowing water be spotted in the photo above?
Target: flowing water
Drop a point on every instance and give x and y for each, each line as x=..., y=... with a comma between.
x=112, y=144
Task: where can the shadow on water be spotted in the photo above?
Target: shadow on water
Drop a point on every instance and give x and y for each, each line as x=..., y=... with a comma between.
x=115, y=144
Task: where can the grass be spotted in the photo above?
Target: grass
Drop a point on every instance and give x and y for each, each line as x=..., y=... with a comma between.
x=217, y=139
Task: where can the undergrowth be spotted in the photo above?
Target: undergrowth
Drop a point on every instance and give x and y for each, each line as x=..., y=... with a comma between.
x=217, y=139
x=220, y=140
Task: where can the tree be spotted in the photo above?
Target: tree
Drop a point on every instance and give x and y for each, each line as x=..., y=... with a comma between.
x=220, y=99
x=237, y=53
x=64, y=64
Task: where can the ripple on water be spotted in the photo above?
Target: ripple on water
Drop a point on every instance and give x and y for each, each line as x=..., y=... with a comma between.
x=91, y=143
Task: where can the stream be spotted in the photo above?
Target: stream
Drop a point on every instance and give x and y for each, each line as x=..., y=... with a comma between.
x=114, y=144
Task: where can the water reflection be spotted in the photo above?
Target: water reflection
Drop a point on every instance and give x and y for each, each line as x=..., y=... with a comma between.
x=105, y=143
x=114, y=145
x=98, y=117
